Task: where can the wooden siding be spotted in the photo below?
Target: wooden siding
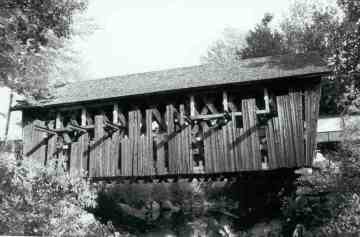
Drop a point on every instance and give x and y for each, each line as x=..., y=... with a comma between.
x=192, y=136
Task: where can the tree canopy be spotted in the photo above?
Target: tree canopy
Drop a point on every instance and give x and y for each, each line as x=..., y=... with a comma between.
x=262, y=41
x=307, y=28
x=33, y=35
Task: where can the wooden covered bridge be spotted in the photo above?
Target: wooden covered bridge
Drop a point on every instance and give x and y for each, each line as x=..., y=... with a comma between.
x=259, y=114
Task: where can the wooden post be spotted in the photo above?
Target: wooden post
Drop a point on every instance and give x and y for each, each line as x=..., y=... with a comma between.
x=83, y=117
x=266, y=99
x=58, y=121
x=225, y=101
x=116, y=114
x=192, y=105
x=8, y=115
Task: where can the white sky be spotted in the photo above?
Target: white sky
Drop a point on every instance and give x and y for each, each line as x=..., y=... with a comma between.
x=142, y=35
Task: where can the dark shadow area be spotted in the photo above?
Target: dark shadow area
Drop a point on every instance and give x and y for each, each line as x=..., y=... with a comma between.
x=157, y=209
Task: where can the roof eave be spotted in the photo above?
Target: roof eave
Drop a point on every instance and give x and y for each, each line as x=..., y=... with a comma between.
x=75, y=103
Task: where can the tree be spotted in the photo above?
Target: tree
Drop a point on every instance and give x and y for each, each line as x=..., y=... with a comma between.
x=307, y=28
x=38, y=200
x=332, y=198
x=263, y=41
x=225, y=50
x=33, y=41
x=345, y=61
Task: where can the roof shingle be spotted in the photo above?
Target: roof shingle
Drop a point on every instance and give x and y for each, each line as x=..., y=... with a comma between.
x=187, y=77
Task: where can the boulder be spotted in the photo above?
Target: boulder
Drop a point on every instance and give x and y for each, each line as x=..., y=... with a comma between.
x=168, y=206
x=266, y=229
x=133, y=212
x=320, y=161
x=153, y=210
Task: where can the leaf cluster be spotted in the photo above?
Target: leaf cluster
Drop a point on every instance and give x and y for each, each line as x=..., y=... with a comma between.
x=38, y=200
x=32, y=35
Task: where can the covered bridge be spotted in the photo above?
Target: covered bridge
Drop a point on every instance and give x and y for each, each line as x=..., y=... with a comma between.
x=260, y=114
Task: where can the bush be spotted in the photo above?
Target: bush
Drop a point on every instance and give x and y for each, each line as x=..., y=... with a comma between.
x=327, y=201
x=38, y=200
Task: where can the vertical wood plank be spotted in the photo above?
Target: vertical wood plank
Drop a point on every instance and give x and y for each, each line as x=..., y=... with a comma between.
x=99, y=134
x=149, y=156
x=312, y=101
x=297, y=123
x=75, y=158
x=222, y=158
x=125, y=150
x=35, y=142
x=282, y=131
x=207, y=148
x=230, y=145
x=84, y=151
x=237, y=143
x=290, y=147
x=272, y=145
x=226, y=148
x=115, y=117
x=83, y=117
x=190, y=152
x=252, y=137
x=192, y=106
x=28, y=127
x=114, y=150
x=172, y=151
x=51, y=144
x=39, y=143
x=183, y=146
x=160, y=154
x=225, y=101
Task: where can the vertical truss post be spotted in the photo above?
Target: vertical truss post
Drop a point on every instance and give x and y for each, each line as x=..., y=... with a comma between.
x=192, y=105
x=58, y=122
x=266, y=99
x=225, y=101
x=83, y=117
x=115, y=114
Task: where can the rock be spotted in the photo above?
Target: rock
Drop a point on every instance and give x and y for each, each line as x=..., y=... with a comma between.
x=168, y=206
x=272, y=228
x=153, y=210
x=163, y=232
x=320, y=161
x=304, y=171
x=131, y=211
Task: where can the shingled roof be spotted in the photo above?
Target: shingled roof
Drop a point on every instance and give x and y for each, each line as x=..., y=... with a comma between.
x=248, y=70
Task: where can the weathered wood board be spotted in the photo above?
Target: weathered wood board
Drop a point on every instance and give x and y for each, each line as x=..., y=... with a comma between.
x=226, y=140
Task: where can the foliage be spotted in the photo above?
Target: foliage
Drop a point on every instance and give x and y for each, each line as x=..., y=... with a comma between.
x=327, y=200
x=263, y=41
x=225, y=50
x=38, y=200
x=307, y=28
x=314, y=204
x=345, y=61
x=34, y=42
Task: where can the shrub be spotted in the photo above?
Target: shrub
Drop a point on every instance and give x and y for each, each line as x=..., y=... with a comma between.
x=38, y=200
x=327, y=200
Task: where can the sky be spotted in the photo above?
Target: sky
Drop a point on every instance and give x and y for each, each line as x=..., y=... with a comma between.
x=141, y=35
